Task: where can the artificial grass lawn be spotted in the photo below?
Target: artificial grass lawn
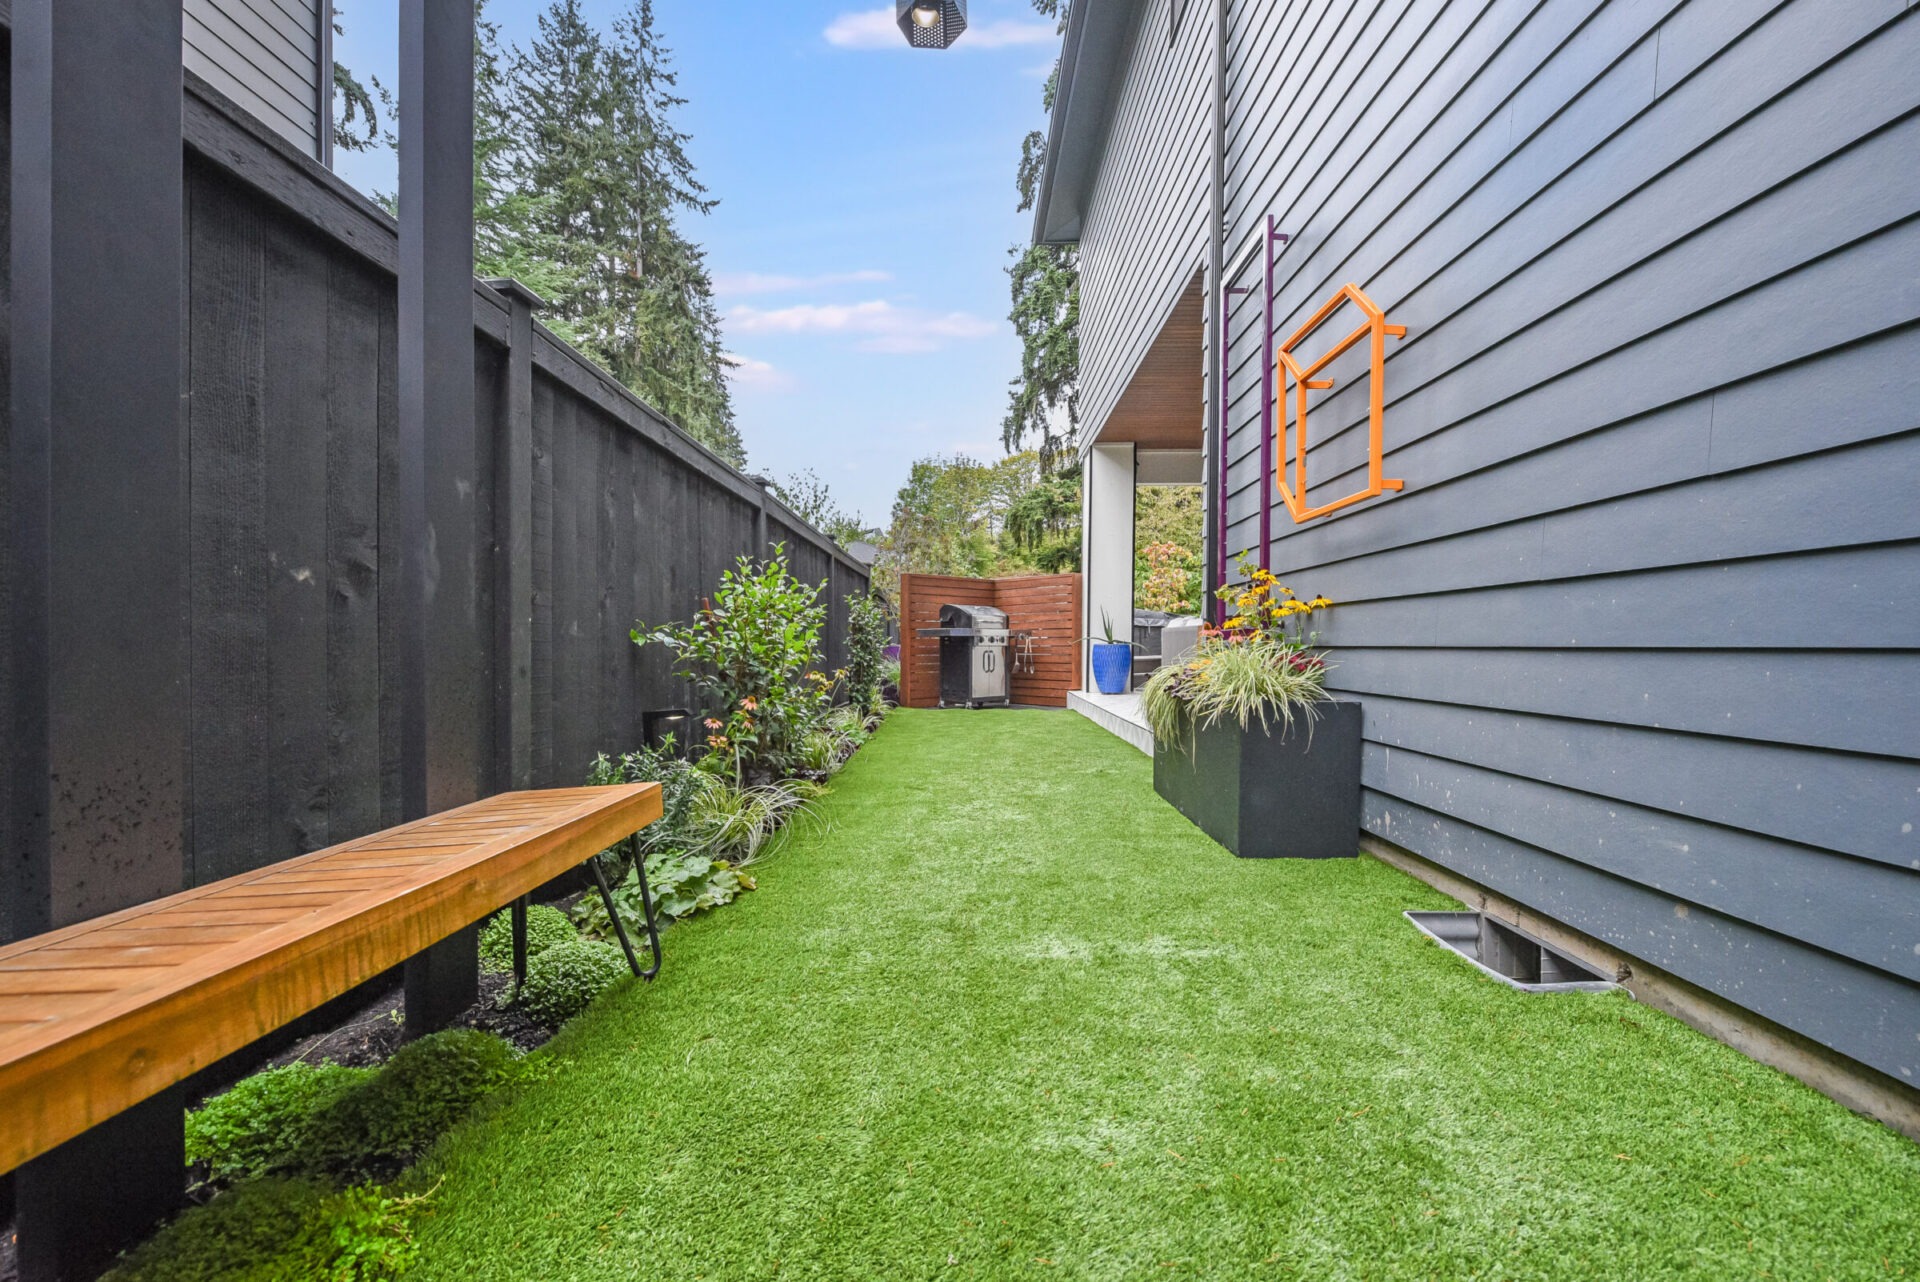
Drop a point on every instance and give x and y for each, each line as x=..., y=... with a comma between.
x=1009, y=1015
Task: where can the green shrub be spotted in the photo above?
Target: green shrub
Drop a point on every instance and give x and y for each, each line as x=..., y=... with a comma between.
x=255, y=1127
x=279, y=1230
x=866, y=649
x=678, y=782
x=546, y=926
x=393, y=1116
x=563, y=981
x=753, y=654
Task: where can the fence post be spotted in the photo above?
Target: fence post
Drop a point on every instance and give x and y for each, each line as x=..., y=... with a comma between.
x=513, y=546
x=99, y=552
x=436, y=417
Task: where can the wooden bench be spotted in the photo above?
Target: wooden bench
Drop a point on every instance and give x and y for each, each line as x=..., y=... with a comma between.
x=105, y=1014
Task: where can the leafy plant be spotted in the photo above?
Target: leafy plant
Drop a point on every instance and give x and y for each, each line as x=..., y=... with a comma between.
x=370, y=1232
x=1260, y=665
x=546, y=927
x=678, y=781
x=1171, y=580
x=737, y=822
x=820, y=752
x=866, y=643
x=689, y=883
x=282, y=1230
x=256, y=1125
x=752, y=652
x=391, y=1117
x=682, y=883
x=1239, y=677
x=563, y=981
x=1264, y=606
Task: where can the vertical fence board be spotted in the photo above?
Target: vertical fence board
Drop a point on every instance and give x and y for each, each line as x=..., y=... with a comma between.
x=356, y=307
x=228, y=741
x=294, y=471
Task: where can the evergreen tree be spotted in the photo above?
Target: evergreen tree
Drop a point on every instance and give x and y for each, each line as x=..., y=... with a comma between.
x=604, y=172
x=1046, y=312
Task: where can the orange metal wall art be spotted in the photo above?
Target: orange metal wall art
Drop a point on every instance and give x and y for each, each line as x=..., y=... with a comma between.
x=1376, y=331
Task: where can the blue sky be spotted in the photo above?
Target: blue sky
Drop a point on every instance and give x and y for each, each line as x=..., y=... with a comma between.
x=867, y=206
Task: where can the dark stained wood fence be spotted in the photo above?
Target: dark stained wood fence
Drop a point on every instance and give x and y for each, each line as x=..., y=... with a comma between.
x=1045, y=604
x=570, y=511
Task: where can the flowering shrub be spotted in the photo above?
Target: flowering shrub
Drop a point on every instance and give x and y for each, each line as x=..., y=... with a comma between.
x=752, y=653
x=1171, y=579
x=1267, y=606
x=1261, y=662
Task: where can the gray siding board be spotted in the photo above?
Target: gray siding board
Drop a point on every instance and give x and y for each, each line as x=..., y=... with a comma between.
x=1759, y=512
x=1859, y=1011
x=1145, y=239
x=1711, y=606
x=1859, y=805
x=1864, y=701
x=265, y=56
x=1865, y=911
x=1767, y=238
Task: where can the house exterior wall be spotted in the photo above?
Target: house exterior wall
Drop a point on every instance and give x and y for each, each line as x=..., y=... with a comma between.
x=266, y=55
x=1145, y=234
x=1637, y=642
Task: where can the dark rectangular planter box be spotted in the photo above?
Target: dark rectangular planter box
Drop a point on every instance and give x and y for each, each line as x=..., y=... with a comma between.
x=1272, y=793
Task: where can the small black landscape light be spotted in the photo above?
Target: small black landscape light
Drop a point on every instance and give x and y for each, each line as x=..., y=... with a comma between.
x=931, y=24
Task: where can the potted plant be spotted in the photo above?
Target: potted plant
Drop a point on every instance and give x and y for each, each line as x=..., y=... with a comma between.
x=1112, y=660
x=1246, y=741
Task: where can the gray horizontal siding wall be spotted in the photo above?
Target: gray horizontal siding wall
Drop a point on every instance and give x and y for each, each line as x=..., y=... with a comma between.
x=1637, y=643
x=1145, y=233
x=266, y=56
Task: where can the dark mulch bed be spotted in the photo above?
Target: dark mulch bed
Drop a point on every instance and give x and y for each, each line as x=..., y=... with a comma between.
x=373, y=1033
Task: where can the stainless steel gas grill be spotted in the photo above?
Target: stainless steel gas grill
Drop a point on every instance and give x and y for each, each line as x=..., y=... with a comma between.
x=973, y=655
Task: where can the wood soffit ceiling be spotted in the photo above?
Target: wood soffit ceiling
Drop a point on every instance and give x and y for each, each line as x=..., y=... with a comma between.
x=1164, y=404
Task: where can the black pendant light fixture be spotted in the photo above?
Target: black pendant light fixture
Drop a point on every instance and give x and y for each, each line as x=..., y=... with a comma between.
x=931, y=24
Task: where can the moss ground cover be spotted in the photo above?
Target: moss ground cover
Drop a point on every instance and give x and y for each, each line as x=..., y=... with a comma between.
x=1005, y=1014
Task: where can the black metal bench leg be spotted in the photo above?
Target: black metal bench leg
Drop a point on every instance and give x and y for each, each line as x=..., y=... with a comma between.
x=613, y=912
x=646, y=901
x=519, y=919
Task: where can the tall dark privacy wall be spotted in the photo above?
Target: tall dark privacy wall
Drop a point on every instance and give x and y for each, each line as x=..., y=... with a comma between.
x=1637, y=644
x=289, y=374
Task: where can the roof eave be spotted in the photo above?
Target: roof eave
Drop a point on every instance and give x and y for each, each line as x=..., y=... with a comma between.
x=1091, y=64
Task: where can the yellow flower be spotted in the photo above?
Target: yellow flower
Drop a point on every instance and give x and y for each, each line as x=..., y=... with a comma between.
x=1235, y=622
x=1319, y=603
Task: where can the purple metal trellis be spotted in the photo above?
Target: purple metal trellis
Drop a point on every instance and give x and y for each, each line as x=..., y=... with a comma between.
x=1225, y=339
x=1267, y=431
x=1266, y=415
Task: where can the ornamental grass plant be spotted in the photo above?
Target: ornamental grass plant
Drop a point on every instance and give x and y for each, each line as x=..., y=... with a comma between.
x=1260, y=663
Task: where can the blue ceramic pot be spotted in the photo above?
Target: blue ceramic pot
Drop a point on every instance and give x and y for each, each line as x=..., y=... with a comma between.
x=1112, y=666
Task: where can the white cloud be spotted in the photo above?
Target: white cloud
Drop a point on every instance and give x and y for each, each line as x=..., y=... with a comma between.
x=748, y=372
x=876, y=29
x=868, y=29
x=881, y=326
x=737, y=284
x=1009, y=33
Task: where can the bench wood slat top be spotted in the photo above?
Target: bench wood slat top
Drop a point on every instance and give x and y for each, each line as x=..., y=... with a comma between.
x=98, y=1016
